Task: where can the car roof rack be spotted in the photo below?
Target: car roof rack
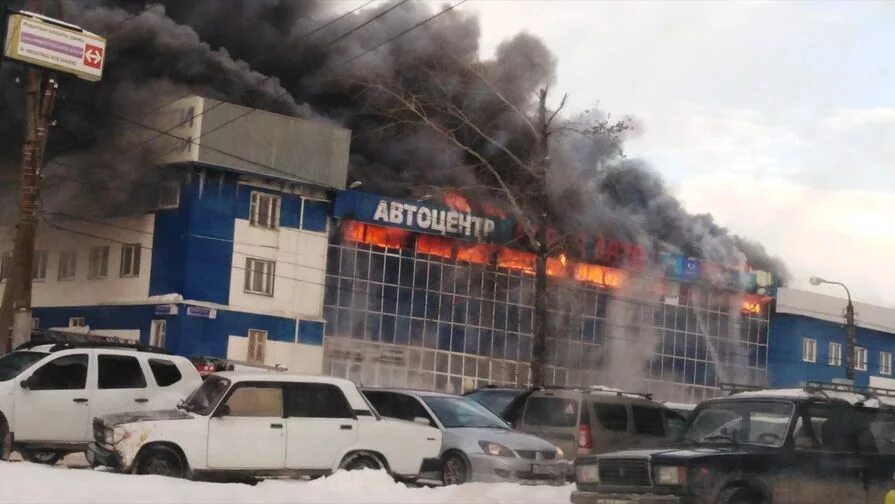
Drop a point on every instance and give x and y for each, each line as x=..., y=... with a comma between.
x=867, y=392
x=736, y=388
x=595, y=388
x=63, y=341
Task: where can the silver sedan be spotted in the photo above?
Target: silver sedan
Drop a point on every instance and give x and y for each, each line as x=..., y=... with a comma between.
x=477, y=445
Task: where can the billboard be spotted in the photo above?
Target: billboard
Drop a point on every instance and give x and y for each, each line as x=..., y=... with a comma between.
x=45, y=42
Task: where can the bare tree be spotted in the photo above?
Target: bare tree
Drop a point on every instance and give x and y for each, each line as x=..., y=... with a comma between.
x=520, y=176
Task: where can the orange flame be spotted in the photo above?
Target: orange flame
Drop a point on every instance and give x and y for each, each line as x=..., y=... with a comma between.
x=378, y=236
x=492, y=210
x=516, y=260
x=477, y=254
x=752, y=303
x=600, y=276
x=435, y=245
x=456, y=202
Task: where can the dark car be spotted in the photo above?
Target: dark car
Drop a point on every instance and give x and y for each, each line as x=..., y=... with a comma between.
x=818, y=444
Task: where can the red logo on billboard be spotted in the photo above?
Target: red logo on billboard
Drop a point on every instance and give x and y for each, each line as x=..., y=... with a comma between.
x=93, y=56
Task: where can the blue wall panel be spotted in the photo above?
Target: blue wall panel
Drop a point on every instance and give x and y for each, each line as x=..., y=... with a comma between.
x=101, y=317
x=209, y=248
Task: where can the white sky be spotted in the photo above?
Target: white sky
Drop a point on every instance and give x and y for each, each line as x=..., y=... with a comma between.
x=777, y=118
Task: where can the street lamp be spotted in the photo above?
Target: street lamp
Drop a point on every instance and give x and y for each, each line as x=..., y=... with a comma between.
x=849, y=326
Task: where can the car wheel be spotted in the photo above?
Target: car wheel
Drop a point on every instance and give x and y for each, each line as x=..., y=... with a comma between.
x=47, y=457
x=361, y=461
x=736, y=495
x=455, y=470
x=161, y=461
x=4, y=432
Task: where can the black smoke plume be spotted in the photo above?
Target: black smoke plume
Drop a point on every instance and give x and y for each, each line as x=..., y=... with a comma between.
x=273, y=54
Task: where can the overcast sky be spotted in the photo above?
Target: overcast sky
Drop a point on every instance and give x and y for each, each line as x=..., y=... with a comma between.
x=777, y=118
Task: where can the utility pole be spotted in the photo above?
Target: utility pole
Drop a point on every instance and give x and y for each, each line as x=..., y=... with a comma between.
x=850, y=339
x=15, y=308
x=542, y=158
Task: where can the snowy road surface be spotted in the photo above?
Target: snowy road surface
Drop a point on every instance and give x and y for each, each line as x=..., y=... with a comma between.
x=21, y=482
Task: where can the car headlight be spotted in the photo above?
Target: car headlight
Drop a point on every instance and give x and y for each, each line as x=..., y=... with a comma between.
x=587, y=473
x=496, y=449
x=671, y=475
x=559, y=453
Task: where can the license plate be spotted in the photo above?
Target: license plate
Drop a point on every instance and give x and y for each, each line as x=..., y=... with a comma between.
x=613, y=501
x=550, y=470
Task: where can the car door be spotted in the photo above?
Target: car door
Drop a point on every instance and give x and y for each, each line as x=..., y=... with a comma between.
x=826, y=464
x=554, y=418
x=320, y=425
x=120, y=385
x=247, y=431
x=54, y=404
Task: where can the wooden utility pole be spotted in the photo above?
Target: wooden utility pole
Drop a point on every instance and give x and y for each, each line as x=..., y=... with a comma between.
x=541, y=205
x=15, y=310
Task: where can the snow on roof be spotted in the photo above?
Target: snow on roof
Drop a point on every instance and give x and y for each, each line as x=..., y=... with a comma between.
x=680, y=406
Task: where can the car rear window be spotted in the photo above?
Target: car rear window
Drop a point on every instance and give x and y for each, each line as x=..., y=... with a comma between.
x=612, y=417
x=551, y=412
x=165, y=372
x=648, y=421
x=496, y=400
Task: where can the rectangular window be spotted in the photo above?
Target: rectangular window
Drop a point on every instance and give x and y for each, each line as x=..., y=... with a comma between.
x=648, y=421
x=130, y=260
x=885, y=363
x=77, y=322
x=809, y=350
x=99, y=262
x=259, y=276
x=65, y=373
x=835, y=354
x=259, y=400
x=5, y=266
x=265, y=210
x=39, y=266
x=860, y=358
x=157, y=333
x=257, y=344
x=613, y=417
x=35, y=323
x=68, y=265
x=165, y=372
x=551, y=412
x=120, y=372
x=169, y=195
x=316, y=400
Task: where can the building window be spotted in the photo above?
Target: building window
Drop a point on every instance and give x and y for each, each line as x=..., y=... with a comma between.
x=809, y=350
x=5, y=266
x=835, y=354
x=257, y=344
x=77, y=322
x=265, y=210
x=68, y=265
x=259, y=276
x=169, y=195
x=130, y=260
x=39, y=266
x=860, y=358
x=157, y=333
x=885, y=363
x=99, y=262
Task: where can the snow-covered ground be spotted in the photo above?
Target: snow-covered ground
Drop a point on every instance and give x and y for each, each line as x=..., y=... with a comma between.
x=21, y=482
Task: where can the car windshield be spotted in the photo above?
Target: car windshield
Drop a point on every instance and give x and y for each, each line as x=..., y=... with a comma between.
x=495, y=400
x=735, y=422
x=455, y=412
x=207, y=396
x=12, y=364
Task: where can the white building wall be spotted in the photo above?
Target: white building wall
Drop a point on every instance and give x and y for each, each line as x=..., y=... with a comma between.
x=296, y=357
x=81, y=236
x=832, y=309
x=300, y=258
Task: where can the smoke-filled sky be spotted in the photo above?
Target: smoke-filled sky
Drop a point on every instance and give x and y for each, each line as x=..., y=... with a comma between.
x=776, y=117
x=708, y=89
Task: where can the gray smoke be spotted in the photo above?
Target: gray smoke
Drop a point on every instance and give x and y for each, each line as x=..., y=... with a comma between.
x=272, y=55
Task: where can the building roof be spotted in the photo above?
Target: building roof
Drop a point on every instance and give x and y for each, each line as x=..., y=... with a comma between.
x=832, y=309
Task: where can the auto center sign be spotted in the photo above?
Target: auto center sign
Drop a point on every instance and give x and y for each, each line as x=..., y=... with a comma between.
x=49, y=43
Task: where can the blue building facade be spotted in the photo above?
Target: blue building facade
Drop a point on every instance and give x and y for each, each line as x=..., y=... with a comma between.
x=807, y=341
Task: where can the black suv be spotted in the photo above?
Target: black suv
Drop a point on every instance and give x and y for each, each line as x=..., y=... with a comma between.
x=824, y=443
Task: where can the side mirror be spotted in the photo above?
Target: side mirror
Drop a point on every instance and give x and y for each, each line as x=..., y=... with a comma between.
x=26, y=383
x=223, y=410
x=422, y=421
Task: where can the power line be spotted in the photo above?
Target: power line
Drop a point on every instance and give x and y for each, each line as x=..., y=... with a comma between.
x=405, y=32
x=365, y=23
x=336, y=20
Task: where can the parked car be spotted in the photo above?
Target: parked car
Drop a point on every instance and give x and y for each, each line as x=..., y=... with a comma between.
x=258, y=424
x=477, y=444
x=50, y=393
x=824, y=443
x=589, y=420
x=496, y=399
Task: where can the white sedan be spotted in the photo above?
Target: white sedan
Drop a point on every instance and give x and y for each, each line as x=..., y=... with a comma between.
x=238, y=425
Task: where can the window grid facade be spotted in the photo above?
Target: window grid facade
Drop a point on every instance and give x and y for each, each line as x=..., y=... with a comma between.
x=396, y=317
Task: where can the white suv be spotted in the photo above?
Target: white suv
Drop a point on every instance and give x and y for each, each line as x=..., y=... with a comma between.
x=239, y=425
x=50, y=393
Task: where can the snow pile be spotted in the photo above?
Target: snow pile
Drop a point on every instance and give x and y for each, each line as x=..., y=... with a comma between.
x=29, y=483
